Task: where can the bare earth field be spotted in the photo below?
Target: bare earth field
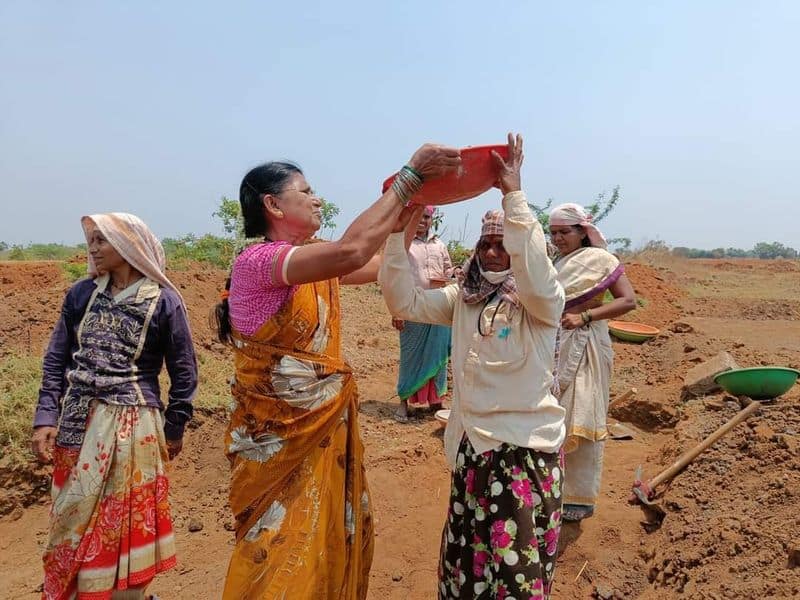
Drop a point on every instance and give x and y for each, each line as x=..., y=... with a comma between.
x=732, y=518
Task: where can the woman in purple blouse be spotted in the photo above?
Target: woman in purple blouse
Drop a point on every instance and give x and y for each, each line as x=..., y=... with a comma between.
x=100, y=420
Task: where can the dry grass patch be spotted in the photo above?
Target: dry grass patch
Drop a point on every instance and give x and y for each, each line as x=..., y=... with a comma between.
x=20, y=377
x=214, y=391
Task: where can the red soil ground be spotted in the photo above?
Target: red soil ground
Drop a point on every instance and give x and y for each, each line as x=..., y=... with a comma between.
x=732, y=521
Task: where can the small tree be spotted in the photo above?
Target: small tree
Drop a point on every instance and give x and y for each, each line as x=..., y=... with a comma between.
x=773, y=250
x=458, y=253
x=230, y=213
x=620, y=245
x=329, y=213
x=436, y=221
x=599, y=209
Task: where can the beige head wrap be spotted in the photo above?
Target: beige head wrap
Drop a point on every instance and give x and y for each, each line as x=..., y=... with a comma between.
x=134, y=241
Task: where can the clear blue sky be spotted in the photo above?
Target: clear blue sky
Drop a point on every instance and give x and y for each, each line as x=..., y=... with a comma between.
x=159, y=108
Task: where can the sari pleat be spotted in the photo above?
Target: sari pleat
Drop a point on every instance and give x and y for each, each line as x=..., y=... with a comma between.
x=585, y=361
x=298, y=486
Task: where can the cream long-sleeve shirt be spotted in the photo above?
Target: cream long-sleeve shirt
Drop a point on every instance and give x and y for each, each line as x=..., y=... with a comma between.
x=429, y=258
x=501, y=379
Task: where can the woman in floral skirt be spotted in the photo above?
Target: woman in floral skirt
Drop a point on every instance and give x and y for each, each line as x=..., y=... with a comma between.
x=504, y=434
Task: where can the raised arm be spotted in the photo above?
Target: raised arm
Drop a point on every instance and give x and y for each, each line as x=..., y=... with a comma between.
x=523, y=238
x=403, y=299
x=369, y=272
x=363, y=238
x=537, y=283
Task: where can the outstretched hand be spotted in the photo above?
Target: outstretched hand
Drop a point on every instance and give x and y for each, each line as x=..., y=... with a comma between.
x=433, y=160
x=508, y=177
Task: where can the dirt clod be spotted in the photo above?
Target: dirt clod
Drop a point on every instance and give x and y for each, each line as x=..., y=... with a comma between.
x=195, y=525
x=681, y=327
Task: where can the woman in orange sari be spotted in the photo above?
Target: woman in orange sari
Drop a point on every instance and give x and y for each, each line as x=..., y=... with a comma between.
x=298, y=488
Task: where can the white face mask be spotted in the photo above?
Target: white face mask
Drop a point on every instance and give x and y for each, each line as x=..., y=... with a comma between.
x=494, y=277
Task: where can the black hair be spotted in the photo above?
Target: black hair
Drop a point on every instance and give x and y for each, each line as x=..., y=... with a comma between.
x=221, y=316
x=585, y=243
x=269, y=178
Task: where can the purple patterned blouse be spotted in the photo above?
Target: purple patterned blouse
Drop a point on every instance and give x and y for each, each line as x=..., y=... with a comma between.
x=112, y=351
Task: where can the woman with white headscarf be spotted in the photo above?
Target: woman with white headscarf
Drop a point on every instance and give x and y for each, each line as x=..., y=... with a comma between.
x=586, y=270
x=100, y=420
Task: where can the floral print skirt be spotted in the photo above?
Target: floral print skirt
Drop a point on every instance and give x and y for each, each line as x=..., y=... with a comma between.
x=110, y=522
x=501, y=535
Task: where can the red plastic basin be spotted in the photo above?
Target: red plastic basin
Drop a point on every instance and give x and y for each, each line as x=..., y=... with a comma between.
x=476, y=175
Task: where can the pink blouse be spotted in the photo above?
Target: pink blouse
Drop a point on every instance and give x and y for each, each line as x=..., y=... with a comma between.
x=258, y=285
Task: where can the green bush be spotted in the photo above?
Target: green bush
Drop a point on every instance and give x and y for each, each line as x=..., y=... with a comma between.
x=45, y=252
x=208, y=248
x=458, y=253
x=17, y=253
x=73, y=271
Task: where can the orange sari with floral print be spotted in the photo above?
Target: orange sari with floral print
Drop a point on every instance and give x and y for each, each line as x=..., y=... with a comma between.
x=298, y=486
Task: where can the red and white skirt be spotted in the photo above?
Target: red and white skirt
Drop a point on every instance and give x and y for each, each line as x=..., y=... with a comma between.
x=110, y=523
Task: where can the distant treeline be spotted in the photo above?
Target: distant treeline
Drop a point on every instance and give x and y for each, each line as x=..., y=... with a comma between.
x=218, y=251
x=207, y=248
x=760, y=250
x=41, y=251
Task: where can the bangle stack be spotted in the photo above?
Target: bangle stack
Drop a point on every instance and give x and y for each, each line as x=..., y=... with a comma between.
x=586, y=316
x=407, y=183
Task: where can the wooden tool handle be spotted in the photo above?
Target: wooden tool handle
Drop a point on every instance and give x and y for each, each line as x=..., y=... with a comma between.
x=622, y=397
x=690, y=455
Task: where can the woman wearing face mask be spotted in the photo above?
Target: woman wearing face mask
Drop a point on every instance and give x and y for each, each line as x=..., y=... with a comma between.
x=586, y=270
x=505, y=429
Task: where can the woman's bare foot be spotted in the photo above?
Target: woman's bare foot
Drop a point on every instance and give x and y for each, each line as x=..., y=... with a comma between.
x=402, y=413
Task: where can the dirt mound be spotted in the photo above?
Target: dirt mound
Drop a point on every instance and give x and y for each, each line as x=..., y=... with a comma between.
x=32, y=297
x=646, y=413
x=33, y=293
x=201, y=285
x=656, y=293
x=732, y=519
x=654, y=367
x=753, y=264
x=766, y=310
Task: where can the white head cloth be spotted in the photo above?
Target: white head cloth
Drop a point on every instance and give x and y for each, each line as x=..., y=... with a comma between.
x=574, y=214
x=134, y=241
